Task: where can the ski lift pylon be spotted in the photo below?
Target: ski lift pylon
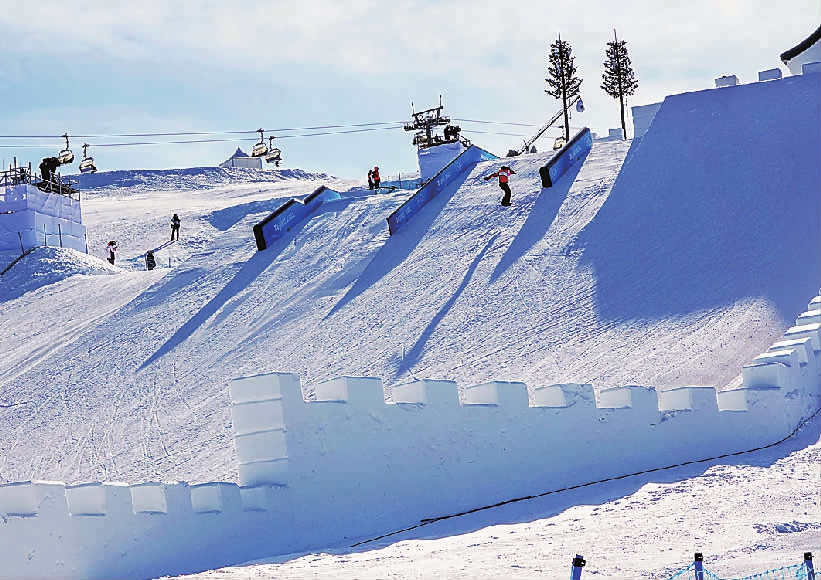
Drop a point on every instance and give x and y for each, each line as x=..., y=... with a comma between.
x=260, y=148
x=87, y=164
x=65, y=156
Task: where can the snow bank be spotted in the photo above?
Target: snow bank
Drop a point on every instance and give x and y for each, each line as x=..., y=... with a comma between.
x=347, y=464
x=32, y=217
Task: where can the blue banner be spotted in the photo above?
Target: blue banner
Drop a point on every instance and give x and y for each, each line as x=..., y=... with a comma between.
x=460, y=166
x=289, y=214
x=566, y=157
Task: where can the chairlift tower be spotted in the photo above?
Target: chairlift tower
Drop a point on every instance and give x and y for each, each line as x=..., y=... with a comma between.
x=424, y=123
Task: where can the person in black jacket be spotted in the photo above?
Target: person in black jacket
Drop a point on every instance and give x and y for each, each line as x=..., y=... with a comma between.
x=175, y=227
x=150, y=262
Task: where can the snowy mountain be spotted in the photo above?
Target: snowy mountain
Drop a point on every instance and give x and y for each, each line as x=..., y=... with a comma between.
x=667, y=262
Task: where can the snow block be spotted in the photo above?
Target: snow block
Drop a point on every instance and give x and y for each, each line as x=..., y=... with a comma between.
x=771, y=74
x=726, y=81
x=99, y=499
x=352, y=390
x=262, y=387
x=813, y=331
x=815, y=304
x=801, y=346
x=428, y=392
x=643, y=399
x=292, y=212
x=33, y=498
x=261, y=446
x=257, y=416
x=215, y=497
x=809, y=317
x=567, y=157
x=811, y=68
x=498, y=393
x=564, y=395
x=747, y=398
x=269, y=472
x=772, y=374
x=453, y=174
x=695, y=398
x=41, y=219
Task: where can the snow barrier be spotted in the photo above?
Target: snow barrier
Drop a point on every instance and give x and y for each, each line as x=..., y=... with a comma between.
x=30, y=217
x=348, y=465
x=451, y=175
x=289, y=214
x=572, y=152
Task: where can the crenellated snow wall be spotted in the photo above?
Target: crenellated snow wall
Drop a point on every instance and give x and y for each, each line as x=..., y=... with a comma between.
x=348, y=464
x=32, y=218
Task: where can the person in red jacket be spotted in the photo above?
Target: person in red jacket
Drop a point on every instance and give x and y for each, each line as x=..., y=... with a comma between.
x=375, y=177
x=504, y=177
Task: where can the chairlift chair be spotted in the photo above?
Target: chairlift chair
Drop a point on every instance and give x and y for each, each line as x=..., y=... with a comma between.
x=260, y=148
x=87, y=164
x=65, y=156
x=274, y=155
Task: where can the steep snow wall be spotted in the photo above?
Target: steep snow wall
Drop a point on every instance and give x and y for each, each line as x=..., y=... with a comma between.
x=35, y=218
x=348, y=465
x=718, y=202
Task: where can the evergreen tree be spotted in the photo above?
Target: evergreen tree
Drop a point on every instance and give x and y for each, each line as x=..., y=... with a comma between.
x=562, y=81
x=618, y=78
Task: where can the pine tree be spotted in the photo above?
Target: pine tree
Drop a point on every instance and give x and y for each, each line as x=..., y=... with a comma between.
x=562, y=81
x=618, y=78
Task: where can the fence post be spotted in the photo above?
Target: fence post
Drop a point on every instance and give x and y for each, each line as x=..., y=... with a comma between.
x=60, y=234
x=699, y=566
x=578, y=564
x=45, y=236
x=22, y=249
x=808, y=564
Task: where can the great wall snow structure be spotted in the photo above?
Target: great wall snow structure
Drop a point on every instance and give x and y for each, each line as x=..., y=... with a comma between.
x=348, y=465
x=344, y=460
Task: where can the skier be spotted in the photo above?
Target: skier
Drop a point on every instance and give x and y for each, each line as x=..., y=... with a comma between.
x=370, y=178
x=150, y=262
x=375, y=177
x=175, y=227
x=111, y=248
x=504, y=176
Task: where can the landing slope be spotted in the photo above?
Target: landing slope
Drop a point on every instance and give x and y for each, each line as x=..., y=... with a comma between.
x=719, y=203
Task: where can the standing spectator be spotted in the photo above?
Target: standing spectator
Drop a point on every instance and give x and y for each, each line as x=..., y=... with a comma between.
x=375, y=177
x=370, y=178
x=504, y=176
x=111, y=248
x=150, y=262
x=175, y=227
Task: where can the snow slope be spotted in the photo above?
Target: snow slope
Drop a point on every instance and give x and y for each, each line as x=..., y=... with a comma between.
x=674, y=268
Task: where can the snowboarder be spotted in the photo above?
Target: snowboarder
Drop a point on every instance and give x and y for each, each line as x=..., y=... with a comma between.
x=504, y=177
x=111, y=248
x=150, y=262
x=175, y=227
x=375, y=177
x=370, y=178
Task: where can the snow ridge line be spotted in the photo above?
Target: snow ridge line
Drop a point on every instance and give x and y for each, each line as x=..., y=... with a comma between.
x=427, y=521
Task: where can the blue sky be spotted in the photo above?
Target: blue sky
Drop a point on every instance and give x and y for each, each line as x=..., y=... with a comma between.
x=102, y=68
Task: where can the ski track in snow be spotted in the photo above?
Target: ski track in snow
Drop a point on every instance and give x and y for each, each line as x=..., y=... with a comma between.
x=468, y=291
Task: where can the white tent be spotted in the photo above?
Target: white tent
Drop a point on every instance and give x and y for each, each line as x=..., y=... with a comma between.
x=241, y=159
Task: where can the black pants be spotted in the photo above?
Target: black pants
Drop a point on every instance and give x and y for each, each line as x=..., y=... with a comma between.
x=175, y=230
x=506, y=188
x=111, y=257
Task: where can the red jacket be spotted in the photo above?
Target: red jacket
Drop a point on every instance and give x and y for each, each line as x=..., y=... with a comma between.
x=502, y=174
